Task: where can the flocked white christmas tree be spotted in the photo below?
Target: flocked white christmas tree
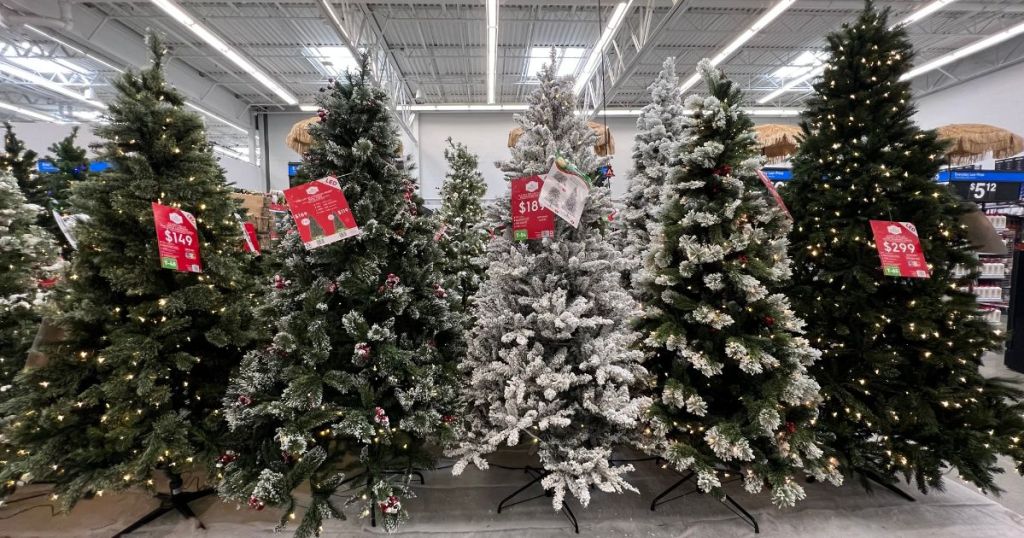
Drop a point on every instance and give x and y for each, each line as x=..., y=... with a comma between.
x=731, y=384
x=549, y=360
x=659, y=129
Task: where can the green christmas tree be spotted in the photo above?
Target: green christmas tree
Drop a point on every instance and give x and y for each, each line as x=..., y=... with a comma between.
x=21, y=162
x=901, y=356
x=27, y=254
x=732, y=390
x=462, y=235
x=72, y=166
x=358, y=379
x=135, y=384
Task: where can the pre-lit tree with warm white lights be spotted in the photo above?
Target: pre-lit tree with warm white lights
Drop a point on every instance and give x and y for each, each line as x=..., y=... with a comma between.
x=901, y=356
x=134, y=385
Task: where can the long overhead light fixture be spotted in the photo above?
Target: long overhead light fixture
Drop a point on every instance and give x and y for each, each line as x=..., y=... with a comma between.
x=43, y=82
x=815, y=72
x=29, y=113
x=492, y=49
x=74, y=48
x=232, y=153
x=957, y=54
x=753, y=111
x=740, y=40
x=202, y=110
x=179, y=14
x=595, y=55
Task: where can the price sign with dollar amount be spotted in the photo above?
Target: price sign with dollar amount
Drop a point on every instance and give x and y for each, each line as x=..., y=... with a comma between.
x=899, y=249
x=530, y=220
x=987, y=191
x=177, y=239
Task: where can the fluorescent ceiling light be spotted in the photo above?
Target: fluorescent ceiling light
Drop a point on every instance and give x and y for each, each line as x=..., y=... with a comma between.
x=807, y=60
x=492, y=49
x=815, y=72
x=179, y=14
x=29, y=113
x=28, y=76
x=201, y=110
x=309, y=108
x=332, y=61
x=567, y=60
x=87, y=115
x=977, y=46
x=231, y=153
x=74, y=48
x=740, y=40
x=32, y=57
x=465, y=108
x=595, y=55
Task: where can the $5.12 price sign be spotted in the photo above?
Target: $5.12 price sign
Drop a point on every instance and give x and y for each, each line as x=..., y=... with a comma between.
x=987, y=191
x=177, y=238
x=899, y=249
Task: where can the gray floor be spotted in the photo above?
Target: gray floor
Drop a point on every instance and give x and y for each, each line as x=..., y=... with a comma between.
x=1010, y=481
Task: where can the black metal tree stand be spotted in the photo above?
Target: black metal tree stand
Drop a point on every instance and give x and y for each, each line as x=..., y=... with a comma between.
x=887, y=485
x=538, y=475
x=727, y=501
x=177, y=500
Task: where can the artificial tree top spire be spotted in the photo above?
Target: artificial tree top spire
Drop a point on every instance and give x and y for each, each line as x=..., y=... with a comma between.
x=900, y=366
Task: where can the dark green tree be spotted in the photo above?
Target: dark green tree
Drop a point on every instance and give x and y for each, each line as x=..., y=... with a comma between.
x=72, y=166
x=462, y=235
x=901, y=356
x=136, y=382
x=358, y=378
x=21, y=163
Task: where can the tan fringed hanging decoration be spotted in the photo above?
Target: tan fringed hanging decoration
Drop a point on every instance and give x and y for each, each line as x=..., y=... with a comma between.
x=777, y=141
x=298, y=137
x=604, y=146
x=970, y=142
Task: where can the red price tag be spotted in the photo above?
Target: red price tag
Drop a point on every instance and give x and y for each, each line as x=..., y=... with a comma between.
x=899, y=248
x=252, y=243
x=321, y=212
x=529, y=219
x=774, y=192
x=177, y=238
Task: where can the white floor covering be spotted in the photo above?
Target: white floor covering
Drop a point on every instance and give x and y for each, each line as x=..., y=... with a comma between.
x=465, y=506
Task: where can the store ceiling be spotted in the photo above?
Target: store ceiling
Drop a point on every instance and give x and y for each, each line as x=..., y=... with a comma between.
x=438, y=50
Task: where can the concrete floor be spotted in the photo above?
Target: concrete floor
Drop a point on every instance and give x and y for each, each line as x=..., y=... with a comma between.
x=1010, y=481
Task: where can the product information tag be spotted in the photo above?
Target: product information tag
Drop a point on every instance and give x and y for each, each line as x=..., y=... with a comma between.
x=177, y=238
x=564, y=193
x=899, y=249
x=252, y=242
x=321, y=212
x=67, y=227
x=774, y=192
x=529, y=219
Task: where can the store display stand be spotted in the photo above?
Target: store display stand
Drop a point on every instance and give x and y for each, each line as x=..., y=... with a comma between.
x=727, y=501
x=887, y=485
x=538, y=475
x=175, y=501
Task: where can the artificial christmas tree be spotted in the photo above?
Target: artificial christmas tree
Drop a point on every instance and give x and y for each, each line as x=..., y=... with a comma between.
x=659, y=129
x=462, y=235
x=21, y=163
x=359, y=375
x=135, y=384
x=900, y=365
x=549, y=356
x=732, y=392
x=72, y=166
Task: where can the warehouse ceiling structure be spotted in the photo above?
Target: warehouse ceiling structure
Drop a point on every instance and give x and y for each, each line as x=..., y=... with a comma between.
x=233, y=59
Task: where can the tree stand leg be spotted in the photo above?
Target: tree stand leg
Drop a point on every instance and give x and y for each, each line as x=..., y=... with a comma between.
x=538, y=475
x=673, y=487
x=176, y=501
x=727, y=501
x=887, y=485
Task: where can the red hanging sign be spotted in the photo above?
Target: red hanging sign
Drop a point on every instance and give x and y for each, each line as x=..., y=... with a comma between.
x=252, y=242
x=774, y=192
x=321, y=212
x=899, y=248
x=529, y=219
x=177, y=239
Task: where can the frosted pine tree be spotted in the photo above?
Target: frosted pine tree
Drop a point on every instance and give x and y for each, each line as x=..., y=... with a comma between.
x=358, y=379
x=462, y=235
x=658, y=130
x=549, y=360
x=732, y=389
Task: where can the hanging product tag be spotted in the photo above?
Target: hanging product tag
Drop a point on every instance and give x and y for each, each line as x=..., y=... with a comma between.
x=529, y=219
x=899, y=248
x=565, y=192
x=177, y=238
x=252, y=242
x=321, y=212
x=67, y=227
x=774, y=192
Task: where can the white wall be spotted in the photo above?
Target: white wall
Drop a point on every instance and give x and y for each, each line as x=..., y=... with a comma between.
x=39, y=136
